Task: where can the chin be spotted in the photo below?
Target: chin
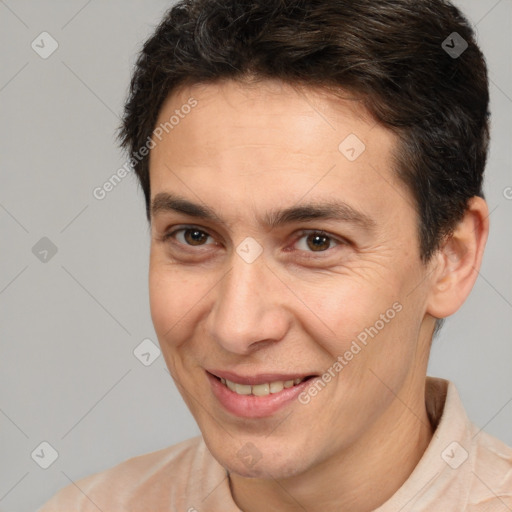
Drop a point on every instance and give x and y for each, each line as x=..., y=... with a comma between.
x=273, y=469
x=260, y=459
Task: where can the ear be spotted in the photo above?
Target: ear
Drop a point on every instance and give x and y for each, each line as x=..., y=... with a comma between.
x=458, y=261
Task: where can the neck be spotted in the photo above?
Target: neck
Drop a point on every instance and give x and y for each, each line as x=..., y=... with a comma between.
x=360, y=478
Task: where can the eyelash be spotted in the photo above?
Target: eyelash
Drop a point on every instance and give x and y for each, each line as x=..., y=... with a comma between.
x=304, y=232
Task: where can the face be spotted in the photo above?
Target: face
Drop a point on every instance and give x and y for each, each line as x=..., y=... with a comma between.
x=299, y=260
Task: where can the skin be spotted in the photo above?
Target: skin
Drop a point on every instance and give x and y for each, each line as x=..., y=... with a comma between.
x=247, y=149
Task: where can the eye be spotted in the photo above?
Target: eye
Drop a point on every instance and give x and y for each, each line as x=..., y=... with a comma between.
x=190, y=236
x=316, y=241
x=308, y=241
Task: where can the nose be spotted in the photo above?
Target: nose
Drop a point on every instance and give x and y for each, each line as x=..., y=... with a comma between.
x=250, y=307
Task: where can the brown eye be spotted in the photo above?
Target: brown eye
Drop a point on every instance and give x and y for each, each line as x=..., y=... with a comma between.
x=194, y=236
x=316, y=241
x=191, y=237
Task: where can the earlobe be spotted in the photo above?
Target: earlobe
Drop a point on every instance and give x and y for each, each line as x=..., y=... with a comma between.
x=459, y=260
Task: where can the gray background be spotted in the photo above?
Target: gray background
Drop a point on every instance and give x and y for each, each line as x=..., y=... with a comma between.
x=69, y=325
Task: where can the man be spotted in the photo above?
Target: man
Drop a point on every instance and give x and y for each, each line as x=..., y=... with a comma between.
x=313, y=179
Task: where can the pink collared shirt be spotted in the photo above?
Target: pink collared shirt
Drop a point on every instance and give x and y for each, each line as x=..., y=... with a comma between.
x=462, y=469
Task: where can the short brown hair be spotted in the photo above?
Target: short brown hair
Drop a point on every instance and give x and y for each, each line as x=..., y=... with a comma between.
x=389, y=53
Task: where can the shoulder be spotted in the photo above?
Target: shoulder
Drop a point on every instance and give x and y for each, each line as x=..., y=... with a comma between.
x=491, y=481
x=156, y=476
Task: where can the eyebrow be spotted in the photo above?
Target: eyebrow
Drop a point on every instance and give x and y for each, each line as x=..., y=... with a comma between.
x=316, y=210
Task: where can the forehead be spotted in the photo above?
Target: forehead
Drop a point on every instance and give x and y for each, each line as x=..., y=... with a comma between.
x=264, y=101
x=271, y=141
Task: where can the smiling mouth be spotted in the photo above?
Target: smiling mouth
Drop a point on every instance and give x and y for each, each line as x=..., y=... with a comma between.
x=263, y=389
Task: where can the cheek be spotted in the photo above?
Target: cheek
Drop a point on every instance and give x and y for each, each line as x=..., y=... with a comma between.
x=168, y=306
x=178, y=298
x=367, y=324
x=159, y=297
x=346, y=307
x=168, y=297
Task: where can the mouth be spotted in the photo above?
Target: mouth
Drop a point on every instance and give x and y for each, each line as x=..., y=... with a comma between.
x=257, y=396
x=264, y=389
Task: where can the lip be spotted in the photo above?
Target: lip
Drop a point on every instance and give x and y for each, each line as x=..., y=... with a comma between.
x=250, y=406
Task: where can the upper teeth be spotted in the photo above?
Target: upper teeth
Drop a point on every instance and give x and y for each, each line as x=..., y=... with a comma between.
x=261, y=389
